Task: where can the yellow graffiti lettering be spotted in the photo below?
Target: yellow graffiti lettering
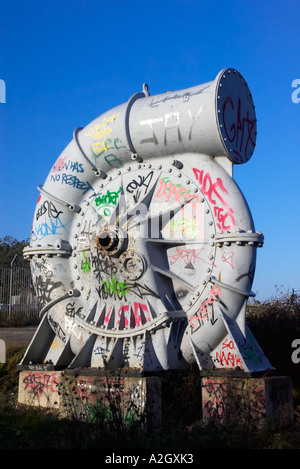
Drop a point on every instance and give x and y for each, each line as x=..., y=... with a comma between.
x=97, y=128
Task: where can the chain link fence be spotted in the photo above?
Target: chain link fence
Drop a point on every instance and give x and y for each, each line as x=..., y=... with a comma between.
x=17, y=299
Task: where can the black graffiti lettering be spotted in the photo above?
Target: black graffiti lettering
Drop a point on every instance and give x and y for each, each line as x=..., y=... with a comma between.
x=102, y=265
x=141, y=290
x=70, y=310
x=41, y=383
x=205, y=316
x=136, y=185
x=57, y=329
x=126, y=355
x=239, y=130
x=220, y=400
x=104, y=293
x=44, y=290
x=49, y=207
x=42, y=265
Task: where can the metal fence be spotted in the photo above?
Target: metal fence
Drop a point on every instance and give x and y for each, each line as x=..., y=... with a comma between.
x=17, y=298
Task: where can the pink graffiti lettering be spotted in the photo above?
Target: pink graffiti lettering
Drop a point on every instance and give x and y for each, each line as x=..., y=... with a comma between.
x=86, y=389
x=216, y=192
x=59, y=165
x=167, y=189
x=188, y=256
x=228, y=258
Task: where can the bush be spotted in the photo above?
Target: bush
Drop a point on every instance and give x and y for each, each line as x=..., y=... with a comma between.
x=275, y=325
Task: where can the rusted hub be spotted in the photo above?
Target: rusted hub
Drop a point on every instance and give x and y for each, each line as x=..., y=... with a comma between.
x=112, y=240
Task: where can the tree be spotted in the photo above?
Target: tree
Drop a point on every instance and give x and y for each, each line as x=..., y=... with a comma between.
x=9, y=247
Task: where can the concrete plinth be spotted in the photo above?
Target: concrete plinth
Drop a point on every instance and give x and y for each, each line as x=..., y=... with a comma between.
x=92, y=396
x=126, y=397
x=39, y=388
x=248, y=400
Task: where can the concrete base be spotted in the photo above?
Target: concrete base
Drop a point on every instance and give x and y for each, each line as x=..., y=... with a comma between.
x=91, y=396
x=120, y=397
x=40, y=388
x=248, y=400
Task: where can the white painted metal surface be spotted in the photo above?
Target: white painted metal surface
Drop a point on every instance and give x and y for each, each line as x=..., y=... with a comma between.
x=143, y=248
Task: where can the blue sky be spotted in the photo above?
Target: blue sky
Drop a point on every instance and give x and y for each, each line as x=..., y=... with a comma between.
x=66, y=62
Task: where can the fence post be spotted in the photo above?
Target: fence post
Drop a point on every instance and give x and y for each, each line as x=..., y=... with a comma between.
x=10, y=284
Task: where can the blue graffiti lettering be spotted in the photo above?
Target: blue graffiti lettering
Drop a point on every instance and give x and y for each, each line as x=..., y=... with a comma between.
x=45, y=229
x=72, y=180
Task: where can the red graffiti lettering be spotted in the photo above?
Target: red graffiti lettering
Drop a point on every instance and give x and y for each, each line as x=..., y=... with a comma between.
x=131, y=316
x=229, y=358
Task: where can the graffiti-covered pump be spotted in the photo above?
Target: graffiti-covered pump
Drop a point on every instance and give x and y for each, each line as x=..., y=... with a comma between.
x=143, y=248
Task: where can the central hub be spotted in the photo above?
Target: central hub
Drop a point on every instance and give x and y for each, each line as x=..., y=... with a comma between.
x=108, y=240
x=112, y=240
